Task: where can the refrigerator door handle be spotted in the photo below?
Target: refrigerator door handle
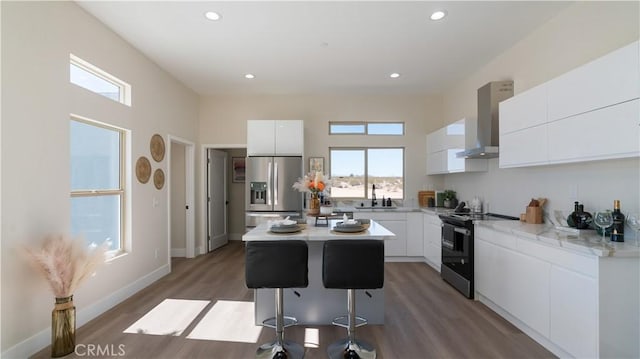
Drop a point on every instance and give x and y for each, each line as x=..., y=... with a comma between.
x=269, y=183
x=275, y=184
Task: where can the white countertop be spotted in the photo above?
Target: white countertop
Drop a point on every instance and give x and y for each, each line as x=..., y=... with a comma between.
x=586, y=242
x=313, y=233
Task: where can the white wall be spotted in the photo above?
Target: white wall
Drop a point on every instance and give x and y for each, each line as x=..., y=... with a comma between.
x=37, y=38
x=577, y=35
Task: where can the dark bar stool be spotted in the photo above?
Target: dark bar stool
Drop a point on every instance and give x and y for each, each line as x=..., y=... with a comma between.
x=278, y=264
x=351, y=265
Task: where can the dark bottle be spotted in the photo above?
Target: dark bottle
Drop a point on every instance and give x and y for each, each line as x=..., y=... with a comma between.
x=389, y=202
x=585, y=218
x=617, y=229
x=373, y=195
x=384, y=203
x=572, y=220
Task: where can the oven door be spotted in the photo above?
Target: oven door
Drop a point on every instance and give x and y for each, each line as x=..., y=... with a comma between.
x=456, y=249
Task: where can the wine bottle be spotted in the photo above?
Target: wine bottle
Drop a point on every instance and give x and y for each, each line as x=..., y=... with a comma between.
x=617, y=229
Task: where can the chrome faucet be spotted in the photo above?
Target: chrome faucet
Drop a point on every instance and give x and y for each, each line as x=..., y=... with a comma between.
x=373, y=196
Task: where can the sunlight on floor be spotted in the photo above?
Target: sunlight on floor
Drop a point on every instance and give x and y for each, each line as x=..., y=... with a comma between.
x=171, y=317
x=311, y=338
x=227, y=320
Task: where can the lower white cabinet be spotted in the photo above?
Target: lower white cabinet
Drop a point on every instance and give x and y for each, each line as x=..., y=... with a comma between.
x=432, y=244
x=516, y=282
x=574, y=315
x=396, y=222
x=414, y=234
x=575, y=304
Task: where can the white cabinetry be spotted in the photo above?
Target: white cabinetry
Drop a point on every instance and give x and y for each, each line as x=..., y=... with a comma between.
x=414, y=234
x=575, y=304
x=275, y=137
x=596, y=103
x=396, y=222
x=407, y=226
x=516, y=282
x=574, y=315
x=523, y=129
x=608, y=80
x=445, y=143
x=432, y=240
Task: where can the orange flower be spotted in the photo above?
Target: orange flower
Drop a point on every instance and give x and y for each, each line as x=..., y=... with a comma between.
x=312, y=185
x=320, y=186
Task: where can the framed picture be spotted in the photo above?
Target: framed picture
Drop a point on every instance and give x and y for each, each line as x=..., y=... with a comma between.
x=237, y=163
x=316, y=164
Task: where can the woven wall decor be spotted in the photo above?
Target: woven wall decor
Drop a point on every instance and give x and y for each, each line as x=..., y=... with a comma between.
x=143, y=169
x=158, y=178
x=157, y=147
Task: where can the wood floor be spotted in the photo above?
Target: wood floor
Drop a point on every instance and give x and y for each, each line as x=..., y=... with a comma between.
x=424, y=317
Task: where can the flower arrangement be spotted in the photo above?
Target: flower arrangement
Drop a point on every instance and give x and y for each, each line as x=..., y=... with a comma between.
x=66, y=262
x=313, y=182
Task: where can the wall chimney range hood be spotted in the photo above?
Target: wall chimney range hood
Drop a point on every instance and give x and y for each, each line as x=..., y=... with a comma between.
x=487, y=140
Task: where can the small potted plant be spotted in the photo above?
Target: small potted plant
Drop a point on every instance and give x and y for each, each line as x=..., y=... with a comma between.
x=450, y=200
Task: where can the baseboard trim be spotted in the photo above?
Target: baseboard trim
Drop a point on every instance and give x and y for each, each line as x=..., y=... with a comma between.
x=178, y=252
x=403, y=259
x=533, y=334
x=40, y=340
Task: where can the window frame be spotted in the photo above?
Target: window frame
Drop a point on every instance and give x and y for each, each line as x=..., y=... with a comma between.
x=124, y=95
x=366, y=167
x=122, y=179
x=385, y=123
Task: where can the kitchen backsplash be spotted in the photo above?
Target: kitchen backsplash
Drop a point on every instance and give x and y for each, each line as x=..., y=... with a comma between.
x=595, y=184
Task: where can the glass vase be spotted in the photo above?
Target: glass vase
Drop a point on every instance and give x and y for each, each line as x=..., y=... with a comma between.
x=63, y=327
x=314, y=205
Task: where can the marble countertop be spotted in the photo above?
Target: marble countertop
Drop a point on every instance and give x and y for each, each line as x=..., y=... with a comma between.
x=313, y=233
x=585, y=242
x=375, y=209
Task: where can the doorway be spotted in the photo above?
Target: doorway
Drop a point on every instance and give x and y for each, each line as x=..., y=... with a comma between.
x=234, y=195
x=217, y=215
x=181, y=197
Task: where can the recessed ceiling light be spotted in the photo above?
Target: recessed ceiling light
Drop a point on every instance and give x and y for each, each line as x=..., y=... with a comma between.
x=249, y=76
x=394, y=75
x=212, y=15
x=438, y=15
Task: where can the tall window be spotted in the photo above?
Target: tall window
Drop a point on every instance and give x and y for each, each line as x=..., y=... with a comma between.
x=355, y=170
x=97, y=182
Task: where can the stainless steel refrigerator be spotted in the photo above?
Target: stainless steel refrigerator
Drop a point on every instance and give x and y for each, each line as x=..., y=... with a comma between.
x=269, y=192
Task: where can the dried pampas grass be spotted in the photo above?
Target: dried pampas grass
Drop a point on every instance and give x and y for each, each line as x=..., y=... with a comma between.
x=66, y=262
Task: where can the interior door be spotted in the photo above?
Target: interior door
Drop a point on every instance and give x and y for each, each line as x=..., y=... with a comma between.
x=217, y=234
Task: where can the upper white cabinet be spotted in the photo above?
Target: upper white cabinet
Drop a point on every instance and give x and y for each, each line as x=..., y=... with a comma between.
x=445, y=143
x=275, y=137
x=526, y=110
x=608, y=80
x=596, y=104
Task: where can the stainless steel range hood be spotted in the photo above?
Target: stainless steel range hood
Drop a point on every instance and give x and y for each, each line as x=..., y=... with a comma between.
x=489, y=96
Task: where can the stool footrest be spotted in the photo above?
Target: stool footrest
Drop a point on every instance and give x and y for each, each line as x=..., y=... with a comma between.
x=343, y=321
x=288, y=322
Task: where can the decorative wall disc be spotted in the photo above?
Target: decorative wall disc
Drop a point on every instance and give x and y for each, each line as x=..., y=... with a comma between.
x=158, y=178
x=143, y=169
x=157, y=147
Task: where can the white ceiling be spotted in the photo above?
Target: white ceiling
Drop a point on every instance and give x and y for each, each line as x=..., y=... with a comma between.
x=321, y=47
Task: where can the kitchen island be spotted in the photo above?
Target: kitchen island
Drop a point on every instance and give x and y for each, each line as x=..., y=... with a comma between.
x=315, y=304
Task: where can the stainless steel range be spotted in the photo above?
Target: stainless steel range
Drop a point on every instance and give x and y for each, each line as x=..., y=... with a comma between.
x=457, y=248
